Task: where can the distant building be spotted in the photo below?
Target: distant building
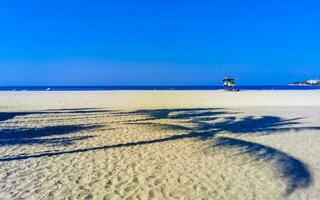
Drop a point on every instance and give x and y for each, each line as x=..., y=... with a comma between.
x=311, y=82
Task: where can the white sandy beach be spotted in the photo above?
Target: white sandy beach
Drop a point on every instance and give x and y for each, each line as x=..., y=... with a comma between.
x=160, y=145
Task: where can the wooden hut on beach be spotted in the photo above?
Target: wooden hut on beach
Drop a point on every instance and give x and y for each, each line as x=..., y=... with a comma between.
x=229, y=84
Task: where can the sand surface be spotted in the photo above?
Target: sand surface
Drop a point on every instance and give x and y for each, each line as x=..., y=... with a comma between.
x=160, y=145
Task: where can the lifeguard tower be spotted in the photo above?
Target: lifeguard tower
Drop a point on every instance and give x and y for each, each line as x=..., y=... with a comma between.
x=229, y=84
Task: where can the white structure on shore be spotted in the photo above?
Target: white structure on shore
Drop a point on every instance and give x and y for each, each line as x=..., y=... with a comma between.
x=308, y=82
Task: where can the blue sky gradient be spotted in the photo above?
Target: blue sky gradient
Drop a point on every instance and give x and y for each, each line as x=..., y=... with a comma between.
x=158, y=42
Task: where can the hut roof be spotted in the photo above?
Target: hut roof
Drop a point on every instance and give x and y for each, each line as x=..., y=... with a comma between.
x=228, y=79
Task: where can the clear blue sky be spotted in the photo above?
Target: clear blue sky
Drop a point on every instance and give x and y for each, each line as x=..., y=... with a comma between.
x=158, y=42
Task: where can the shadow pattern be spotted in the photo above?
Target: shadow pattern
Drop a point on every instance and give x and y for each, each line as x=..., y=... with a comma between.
x=31, y=136
x=295, y=172
x=4, y=116
x=203, y=127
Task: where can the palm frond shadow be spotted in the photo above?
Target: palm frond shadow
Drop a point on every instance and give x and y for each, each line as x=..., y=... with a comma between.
x=295, y=172
x=4, y=116
x=32, y=136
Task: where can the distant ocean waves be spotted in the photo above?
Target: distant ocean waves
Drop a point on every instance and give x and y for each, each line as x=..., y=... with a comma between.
x=97, y=88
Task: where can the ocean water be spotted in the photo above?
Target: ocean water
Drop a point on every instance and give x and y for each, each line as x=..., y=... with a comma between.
x=102, y=88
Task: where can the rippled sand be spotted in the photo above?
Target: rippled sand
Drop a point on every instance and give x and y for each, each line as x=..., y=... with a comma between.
x=160, y=145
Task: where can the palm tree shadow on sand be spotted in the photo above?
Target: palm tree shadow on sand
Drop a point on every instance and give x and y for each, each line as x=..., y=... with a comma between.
x=294, y=172
x=39, y=136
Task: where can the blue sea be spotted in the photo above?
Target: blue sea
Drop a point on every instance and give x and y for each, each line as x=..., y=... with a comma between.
x=103, y=88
